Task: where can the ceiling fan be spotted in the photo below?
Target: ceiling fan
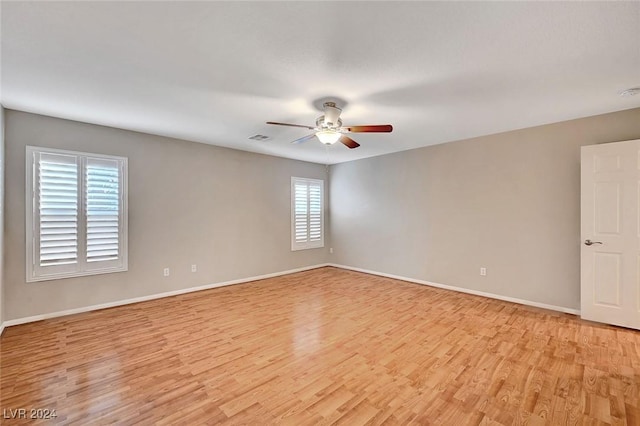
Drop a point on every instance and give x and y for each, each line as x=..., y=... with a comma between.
x=329, y=128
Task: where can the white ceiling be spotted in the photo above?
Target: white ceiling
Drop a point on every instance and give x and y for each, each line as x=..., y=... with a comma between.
x=214, y=72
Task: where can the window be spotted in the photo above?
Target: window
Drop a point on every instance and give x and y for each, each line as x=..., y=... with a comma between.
x=307, y=213
x=76, y=214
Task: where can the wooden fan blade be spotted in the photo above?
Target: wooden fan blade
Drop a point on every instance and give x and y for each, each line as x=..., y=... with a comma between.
x=349, y=142
x=291, y=125
x=376, y=128
x=305, y=138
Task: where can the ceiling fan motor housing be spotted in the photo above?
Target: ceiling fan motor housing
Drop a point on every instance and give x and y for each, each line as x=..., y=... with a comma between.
x=323, y=123
x=331, y=117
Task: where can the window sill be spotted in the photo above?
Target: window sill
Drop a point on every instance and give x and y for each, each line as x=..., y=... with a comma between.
x=65, y=275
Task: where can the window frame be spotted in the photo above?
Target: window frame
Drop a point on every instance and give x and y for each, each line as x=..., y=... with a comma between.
x=295, y=246
x=34, y=271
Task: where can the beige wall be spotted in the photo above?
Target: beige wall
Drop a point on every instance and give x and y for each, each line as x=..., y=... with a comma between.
x=227, y=211
x=508, y=202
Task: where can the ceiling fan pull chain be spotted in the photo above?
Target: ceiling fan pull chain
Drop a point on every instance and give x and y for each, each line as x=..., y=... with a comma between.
x=326, y=151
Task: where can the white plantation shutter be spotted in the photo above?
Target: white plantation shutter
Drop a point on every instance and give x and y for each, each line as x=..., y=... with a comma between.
x=102, y=205
x=58, y=211
x=76, y=214
x=301, y=212
x=315, y=212
x=307, y=218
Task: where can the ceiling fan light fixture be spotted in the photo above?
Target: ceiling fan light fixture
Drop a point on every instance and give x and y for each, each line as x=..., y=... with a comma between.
x=328, y=137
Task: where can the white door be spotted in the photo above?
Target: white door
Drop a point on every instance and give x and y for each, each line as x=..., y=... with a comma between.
x=610, y=254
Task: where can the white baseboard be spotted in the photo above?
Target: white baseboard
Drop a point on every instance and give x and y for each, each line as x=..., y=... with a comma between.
x=464, y=290
x=41, y=317
x=152, y=297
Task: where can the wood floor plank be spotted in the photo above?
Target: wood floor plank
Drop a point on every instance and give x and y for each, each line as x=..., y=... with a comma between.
x=326, y=346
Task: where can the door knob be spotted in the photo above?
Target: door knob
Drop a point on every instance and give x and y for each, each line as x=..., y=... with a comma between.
x=590, y=243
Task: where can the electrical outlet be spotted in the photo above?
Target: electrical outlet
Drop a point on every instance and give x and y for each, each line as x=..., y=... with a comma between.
x=331, y=250
x=166, y=272
x=194, y=268
x=483, y=271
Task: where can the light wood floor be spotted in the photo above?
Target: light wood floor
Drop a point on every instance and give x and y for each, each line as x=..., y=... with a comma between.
x=320, y=347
